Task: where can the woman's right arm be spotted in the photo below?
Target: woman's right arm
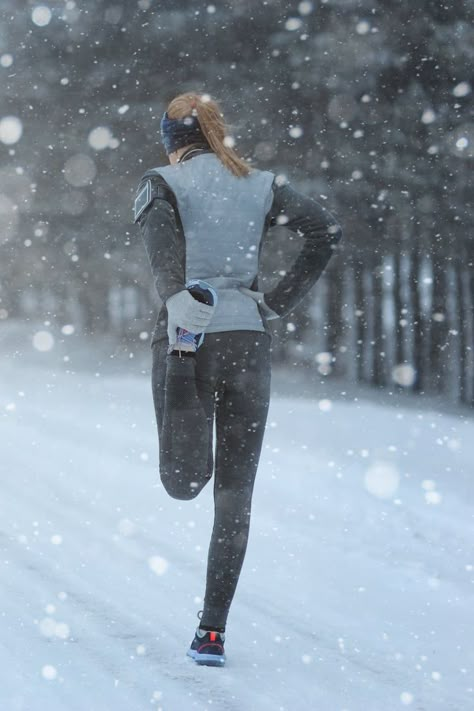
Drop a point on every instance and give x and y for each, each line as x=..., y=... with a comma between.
x=321, y=232
x=155, y=215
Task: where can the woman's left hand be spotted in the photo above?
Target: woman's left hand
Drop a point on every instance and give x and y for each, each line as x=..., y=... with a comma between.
x=259, y=298
x=255, y=295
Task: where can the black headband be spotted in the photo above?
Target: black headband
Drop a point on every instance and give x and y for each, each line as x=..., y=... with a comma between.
x=176, y=133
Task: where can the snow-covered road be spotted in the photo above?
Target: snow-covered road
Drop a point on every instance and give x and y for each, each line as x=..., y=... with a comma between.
x=357, y=588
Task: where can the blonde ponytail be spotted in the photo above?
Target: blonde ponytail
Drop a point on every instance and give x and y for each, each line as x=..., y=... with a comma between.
x=213, y=126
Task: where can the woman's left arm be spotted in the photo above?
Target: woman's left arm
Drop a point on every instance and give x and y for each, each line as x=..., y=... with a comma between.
x=321, y=232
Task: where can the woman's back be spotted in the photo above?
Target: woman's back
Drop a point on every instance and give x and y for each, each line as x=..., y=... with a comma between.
x=223, y=219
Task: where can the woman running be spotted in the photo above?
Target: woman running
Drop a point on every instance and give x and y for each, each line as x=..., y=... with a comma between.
x=202, y=219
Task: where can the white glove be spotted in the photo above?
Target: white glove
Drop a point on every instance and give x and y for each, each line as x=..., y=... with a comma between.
x=184, y=311
x=259, y=297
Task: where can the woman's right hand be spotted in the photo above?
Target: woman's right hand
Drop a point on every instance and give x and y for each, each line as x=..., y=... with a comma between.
x=184, y=311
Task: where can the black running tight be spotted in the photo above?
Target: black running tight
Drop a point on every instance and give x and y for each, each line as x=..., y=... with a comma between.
x=233, y=372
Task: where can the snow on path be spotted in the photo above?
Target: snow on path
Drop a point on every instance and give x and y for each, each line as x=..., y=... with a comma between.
x=347, y=601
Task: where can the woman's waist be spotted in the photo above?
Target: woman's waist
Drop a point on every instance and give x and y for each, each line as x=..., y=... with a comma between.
x=227, y=283
x=233, y=306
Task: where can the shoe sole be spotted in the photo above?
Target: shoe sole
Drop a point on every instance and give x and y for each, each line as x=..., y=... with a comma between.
x=209, y=660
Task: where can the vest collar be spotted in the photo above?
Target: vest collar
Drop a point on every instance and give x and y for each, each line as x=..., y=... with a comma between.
x=194, y=150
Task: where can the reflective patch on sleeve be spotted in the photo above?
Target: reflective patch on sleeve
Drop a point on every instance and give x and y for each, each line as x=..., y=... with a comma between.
x=142, y=200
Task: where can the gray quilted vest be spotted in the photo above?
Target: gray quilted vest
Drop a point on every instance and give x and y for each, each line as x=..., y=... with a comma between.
x=223, y=219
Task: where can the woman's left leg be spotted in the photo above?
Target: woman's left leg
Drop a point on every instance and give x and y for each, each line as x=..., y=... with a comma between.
x=241, y=414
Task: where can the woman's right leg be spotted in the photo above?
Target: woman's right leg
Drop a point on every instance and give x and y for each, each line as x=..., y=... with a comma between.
x=158, y=378
x=184, y=406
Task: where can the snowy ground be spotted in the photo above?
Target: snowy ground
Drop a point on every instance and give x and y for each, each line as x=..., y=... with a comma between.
x=357, y=588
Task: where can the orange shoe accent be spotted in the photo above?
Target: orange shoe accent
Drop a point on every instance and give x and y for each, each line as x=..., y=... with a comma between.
x=213, y=636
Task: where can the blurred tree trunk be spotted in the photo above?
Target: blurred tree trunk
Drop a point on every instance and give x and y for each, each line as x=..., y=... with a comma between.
x=359, y=314
x=463, y=327
x=469, y=299
x=418, y=321
x=378, y=344
x=334, y=314
x=439, y=324
x=95, y=312
x=368, y=317
x=348, y=322
x=398, y=306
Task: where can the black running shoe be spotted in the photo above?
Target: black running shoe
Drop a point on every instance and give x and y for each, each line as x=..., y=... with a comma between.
x=208, y=648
